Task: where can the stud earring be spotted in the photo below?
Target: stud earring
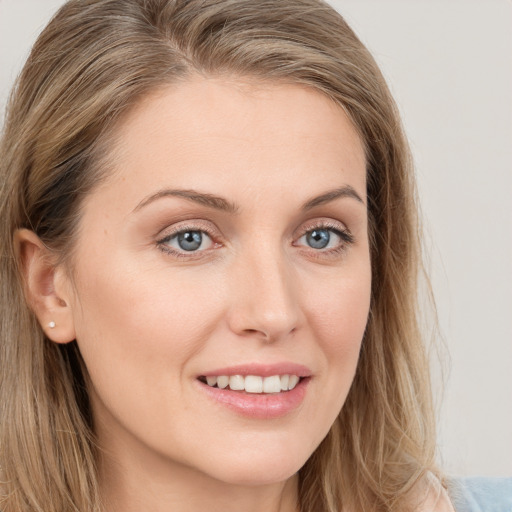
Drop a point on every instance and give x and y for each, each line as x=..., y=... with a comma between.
x=51, y=325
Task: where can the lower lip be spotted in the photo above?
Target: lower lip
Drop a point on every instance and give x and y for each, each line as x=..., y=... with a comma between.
x=259, y=405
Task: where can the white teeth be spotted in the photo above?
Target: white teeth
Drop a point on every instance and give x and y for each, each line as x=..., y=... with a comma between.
x=236, y=382
x=254, y=383
x=293, y=381
x=222, y=381
x=272, y=384
x=211, y=381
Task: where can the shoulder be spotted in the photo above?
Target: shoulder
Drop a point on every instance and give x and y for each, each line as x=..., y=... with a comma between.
x=479, y=494
x=435, y=498
x=429, y=495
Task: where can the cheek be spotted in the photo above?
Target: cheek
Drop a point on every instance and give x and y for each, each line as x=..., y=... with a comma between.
x=137, y=334
x=338, y=316
x=136, y=321
x=339, y=313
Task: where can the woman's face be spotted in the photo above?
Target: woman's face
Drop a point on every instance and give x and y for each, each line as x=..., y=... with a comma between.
x=228, y=247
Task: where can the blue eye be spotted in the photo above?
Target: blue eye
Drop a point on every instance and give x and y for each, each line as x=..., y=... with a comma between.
x=318, y=238
x=188, y=241
x=325, y=238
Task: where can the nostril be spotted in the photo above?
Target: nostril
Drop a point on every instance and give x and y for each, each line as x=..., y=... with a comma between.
x=257, y=333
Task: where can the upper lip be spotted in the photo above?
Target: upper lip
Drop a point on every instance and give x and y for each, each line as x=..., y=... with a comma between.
x=262, y=370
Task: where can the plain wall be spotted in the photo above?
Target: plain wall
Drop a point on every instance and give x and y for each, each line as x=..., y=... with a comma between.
x=449, y=66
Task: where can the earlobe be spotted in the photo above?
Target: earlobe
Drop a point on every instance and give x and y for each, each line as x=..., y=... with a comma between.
x=47, y=289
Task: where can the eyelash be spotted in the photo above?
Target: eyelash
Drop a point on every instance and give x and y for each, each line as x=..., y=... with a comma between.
x=344, y=234
x=162, y=242
x=346, y=238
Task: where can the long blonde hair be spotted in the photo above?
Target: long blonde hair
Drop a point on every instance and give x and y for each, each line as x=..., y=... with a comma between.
x=95, y=60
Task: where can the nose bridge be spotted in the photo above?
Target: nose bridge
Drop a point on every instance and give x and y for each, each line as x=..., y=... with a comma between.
x=265, y=301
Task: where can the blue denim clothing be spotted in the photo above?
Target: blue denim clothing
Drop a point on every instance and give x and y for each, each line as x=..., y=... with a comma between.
x=480, y=494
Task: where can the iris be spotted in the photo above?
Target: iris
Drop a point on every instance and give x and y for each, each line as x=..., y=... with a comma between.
x=318, y=238
x=190, y=240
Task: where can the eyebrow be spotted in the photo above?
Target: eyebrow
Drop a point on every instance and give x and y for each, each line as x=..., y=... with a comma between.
x=331, y=195
x=219, y=203
x=209, y=200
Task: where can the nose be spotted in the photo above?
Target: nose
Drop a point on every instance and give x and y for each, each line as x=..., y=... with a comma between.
x=265, y=301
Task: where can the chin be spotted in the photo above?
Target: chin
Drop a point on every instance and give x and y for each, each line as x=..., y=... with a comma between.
x=267, y=467
x=254, y=476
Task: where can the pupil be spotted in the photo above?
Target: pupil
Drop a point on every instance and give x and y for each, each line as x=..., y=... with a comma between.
x=318, y=238
x=190, y=240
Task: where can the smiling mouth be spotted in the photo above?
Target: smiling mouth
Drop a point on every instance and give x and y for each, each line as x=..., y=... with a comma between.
x=253, y=383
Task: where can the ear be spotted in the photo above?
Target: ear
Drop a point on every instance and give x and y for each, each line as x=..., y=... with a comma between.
x=47, y=287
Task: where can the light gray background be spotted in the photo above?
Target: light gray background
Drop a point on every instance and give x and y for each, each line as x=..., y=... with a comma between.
x=449, y=66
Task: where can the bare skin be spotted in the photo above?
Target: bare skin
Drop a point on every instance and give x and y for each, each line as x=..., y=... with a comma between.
x=232, y=232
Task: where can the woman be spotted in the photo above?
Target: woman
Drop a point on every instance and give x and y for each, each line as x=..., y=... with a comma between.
x=209, y=268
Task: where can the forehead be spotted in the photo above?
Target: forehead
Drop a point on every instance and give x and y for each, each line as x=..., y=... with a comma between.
x=212, y=132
